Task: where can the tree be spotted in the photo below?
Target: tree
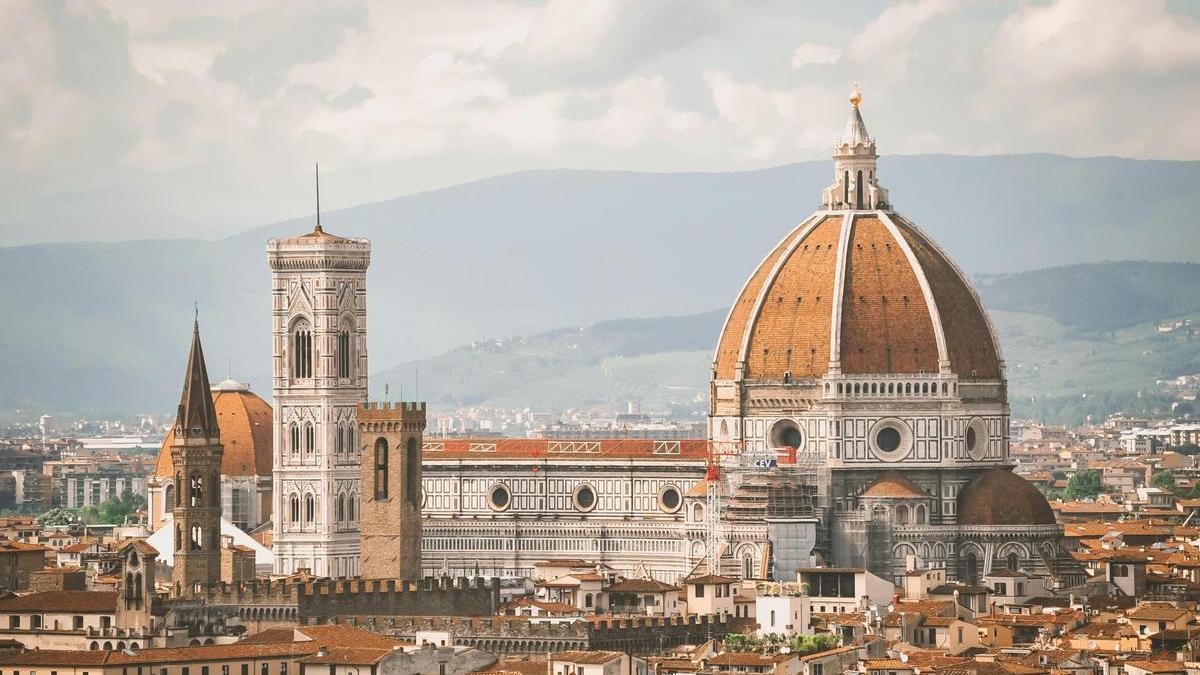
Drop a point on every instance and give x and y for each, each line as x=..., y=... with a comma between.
x=1085, y=484
x=1164, y=480
x=113, y=511
x=1186, y=449
x=810, y=644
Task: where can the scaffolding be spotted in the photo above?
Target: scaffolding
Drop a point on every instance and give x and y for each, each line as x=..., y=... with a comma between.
x=780, y=482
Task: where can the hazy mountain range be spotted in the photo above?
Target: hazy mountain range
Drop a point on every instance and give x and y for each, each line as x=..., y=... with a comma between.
x=1078, y=340
x=104, y=327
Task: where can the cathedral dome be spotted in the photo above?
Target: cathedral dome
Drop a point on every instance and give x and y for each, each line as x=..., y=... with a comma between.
x=245, y=422
x=856, y=289
x=1000, y=497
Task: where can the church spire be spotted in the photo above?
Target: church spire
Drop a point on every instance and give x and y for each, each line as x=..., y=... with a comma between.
x=854, y=162
x=197, y=415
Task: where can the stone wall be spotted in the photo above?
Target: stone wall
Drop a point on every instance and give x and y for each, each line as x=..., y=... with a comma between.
x=262, y=604
x=57, y=579
x=522, y=635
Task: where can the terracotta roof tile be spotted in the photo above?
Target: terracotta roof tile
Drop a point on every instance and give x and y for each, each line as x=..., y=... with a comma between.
x=893, y=484
x=92, y=602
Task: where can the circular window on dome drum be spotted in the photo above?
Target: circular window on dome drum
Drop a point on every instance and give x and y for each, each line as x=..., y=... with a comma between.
x=585, y=498
x=499, y=498
x=891, y=439
x=669, y=499
x=975, y=439
x=786, y=434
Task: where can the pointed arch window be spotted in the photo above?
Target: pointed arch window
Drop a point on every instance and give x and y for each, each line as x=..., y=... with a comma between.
x=381, y=468
x=295, y=509
x=309, y=438
x=846, y=187
x=294, y=440
x=341, y=508
x=344, y=352
x=351, y=500
x=858, y=191
x=196, y=490
x=302, y=350
x=310, y=508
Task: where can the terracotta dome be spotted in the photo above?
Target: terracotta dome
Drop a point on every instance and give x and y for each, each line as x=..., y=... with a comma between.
x=895, y=485
x=866, y=290
x=1000, y=497
x=245, y=422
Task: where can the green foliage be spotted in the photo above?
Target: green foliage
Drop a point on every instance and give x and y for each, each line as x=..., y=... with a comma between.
x=113, y=511
x=774, y=642
x=810, y=644
x=1085, y=484
x=57, y=517
x=1164, y=480
x=1186, y=449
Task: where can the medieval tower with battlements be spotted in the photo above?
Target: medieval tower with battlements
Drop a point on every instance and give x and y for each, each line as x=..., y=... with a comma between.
x=392, y=495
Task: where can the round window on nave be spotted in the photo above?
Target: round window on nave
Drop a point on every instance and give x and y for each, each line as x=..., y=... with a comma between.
x=669, y=499
x=499, y=498
x=585, y=498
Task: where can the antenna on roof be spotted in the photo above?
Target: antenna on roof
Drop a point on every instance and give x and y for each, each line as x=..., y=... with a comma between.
x=317, y=171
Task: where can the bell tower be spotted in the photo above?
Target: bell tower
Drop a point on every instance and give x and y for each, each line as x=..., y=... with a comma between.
x=196, y=455
x=319, y=315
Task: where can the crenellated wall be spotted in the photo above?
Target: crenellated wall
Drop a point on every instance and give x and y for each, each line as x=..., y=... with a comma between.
x=523, y=635
x=261, y=604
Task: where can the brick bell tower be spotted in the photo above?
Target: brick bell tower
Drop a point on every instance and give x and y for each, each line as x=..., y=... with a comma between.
x=391, y=477
x=196, y=454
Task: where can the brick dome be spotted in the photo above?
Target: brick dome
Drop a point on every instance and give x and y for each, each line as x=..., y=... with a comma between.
x=245, y=423
x=864, y=290
x=1000, y=497
x=856, y=289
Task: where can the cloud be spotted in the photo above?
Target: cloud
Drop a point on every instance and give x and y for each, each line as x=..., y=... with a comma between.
x=1094, y=77
x=267, y=44
x=772, y=124
x=595, y=42
x=128, y=116
x=886, y=43
x=809, y=53
x=1077, y=41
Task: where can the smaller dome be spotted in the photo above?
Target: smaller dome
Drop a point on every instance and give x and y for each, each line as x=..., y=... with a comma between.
x=895, y=486
x=245, y=421
x=1000, y=497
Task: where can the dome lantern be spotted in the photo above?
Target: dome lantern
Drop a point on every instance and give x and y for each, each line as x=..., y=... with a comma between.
x=854, y=184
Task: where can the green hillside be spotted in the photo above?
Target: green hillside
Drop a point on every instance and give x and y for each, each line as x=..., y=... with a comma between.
x=1079, y=340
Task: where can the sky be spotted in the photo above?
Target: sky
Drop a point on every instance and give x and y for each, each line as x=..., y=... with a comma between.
x=123, y=119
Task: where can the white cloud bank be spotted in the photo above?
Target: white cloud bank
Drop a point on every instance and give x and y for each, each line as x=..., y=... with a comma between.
x=121, y=118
